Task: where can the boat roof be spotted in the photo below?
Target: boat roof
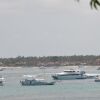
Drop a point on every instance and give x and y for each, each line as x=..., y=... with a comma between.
x=92, y=74
x=31, y=77
x=72, y=70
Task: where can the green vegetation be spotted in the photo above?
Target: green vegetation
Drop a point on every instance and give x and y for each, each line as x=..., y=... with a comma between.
x=94, y=3
x=51, y=61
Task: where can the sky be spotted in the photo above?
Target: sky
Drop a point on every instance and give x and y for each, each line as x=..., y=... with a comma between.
x=48, y=28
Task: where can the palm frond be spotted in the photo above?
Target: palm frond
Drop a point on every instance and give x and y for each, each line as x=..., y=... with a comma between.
x=94, y=4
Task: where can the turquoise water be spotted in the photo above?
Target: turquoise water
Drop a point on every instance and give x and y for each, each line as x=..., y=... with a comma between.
x=63, y=90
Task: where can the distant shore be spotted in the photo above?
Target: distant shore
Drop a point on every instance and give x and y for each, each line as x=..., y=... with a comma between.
x=49, y=61
x=55, y=67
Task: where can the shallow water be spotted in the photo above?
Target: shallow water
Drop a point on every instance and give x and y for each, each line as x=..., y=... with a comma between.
x=85, y=89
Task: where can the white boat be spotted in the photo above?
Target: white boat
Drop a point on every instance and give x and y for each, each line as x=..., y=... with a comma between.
x=1, y=81
x=70, y=75
x=91, y=75
x=97, y=79
x=31, y=80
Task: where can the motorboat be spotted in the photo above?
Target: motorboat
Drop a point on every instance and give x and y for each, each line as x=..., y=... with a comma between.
x=91, y=75
x=1, y=69
x=1, y=81
x=97, y=79
x=30, y=80
x=98, y=68
x=70, y=75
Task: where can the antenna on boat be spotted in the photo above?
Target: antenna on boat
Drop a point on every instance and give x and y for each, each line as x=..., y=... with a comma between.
x=42, y=68
x=82, y=65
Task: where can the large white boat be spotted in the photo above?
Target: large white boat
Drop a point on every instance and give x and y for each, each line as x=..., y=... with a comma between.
x=70, y=75
x=31, y=80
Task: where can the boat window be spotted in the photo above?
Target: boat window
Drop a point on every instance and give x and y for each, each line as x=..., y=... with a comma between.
x=69, y=71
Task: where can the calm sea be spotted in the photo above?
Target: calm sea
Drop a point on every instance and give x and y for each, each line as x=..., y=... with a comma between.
x=63, y=90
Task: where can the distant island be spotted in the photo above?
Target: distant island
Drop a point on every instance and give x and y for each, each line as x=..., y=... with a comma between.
x=50, y=61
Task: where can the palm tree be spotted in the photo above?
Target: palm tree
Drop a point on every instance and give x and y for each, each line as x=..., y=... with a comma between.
x=93, y=3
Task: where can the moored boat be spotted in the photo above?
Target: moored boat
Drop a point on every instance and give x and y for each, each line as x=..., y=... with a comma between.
x=30, y=80
x=1, y=81
x=70, y=75
x=98, y=68
x=1, y=69
x=97, y=79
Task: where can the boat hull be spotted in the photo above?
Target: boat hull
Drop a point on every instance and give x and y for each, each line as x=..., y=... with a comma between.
x=68, y=77
x=32, y=83
x=97, y=80
x=1, y=83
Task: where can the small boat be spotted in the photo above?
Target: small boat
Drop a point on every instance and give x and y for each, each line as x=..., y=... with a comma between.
x=91, y=75
x=1, y=81
x=97, y=79
x=70, y=75
x=30, y=80
x=98, y=68
x=1, y=69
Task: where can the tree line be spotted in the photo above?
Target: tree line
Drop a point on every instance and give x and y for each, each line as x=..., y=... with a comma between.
x=51, y=61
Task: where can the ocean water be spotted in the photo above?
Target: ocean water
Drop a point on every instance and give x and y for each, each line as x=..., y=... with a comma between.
x=85, y=89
